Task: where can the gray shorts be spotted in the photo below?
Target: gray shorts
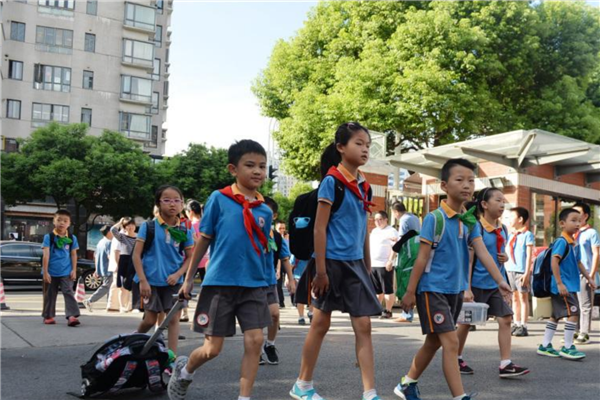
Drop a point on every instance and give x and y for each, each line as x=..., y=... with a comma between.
x=564, y=306
x=219, y=306
x=493, y=298
x=161, y=299
x=272, y=296
x=438, y=312
x=514, y=279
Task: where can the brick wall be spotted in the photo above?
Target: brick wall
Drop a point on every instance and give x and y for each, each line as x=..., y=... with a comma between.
x=492, y=169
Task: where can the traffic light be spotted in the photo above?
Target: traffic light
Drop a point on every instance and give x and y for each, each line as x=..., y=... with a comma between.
x=272, y=174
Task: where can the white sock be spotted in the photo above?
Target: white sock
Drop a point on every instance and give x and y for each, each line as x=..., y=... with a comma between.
x=304, y=385
x=370, y=394
x=549, y=333
x=569, y=333
x=243, y=398
x=518, y=323
x=270, y=343
x=504, y=363
x=407, y=380
x=185, y=375
x=524, y=324
x=459, y=397
x=460, y=357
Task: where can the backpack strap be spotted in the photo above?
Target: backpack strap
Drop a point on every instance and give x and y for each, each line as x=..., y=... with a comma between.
x=155, y=382
x=150, y=234
x=338, y=195
x=52, y=239
x=126, y=374
x=439, y=227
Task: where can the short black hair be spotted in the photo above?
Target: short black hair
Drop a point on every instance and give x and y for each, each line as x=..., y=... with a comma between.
x=104, y=230
x=584, y=207
x=64, y=212
x=238, y=149
x=455, y=162
x=399, y=206
x=521, y=212
x=383, y=214
x=272, y=204
x=564, y=214
x=161, y=190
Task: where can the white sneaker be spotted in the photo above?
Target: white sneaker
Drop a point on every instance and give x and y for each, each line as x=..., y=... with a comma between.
x=88, y=305
x=177, y=388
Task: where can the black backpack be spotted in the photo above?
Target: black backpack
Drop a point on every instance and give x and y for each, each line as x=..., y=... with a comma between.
x=542, y=270
x=302, y=240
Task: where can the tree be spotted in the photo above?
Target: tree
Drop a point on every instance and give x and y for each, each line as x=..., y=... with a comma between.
x=108, y=175
x=432, y=73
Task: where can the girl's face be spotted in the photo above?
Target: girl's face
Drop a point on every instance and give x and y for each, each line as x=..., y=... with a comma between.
x=494, y=207
x=171, y=203
x=130, y=229
x=356, y=151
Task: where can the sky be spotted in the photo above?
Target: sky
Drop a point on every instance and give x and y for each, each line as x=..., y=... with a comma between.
x=218, y=49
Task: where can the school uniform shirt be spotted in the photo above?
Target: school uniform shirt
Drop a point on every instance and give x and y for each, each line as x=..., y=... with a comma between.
x=481, y=277
x=449, y=271
x=347, y=226
x=380, y=245
x=113, y=266
x=163, y=257
x=524, y=239
x=408, y=222
x=101, y=257
x=569, y=267
x=59, y=263
x=282, y=254
x=233, y=260
x=587, y=239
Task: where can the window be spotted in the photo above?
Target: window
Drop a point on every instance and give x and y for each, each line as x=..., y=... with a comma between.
x=155, y=103
x=48, y=77
x=135, y=52
x=54, y=40
x=160, y=6
x=92, y=7
x=13, y=109
x=15, y=70
x=64, y=4
x=156, y=70
x=136, y=126
x=153, y=138
x=86, y=116
x=136, y=89
x=166, y=89
x=17, y=31
x=158, y=36
x=167, y=56
x=44, y=113
x=139, y=16
x=88, y=79
x=90, y=42
x=9, y=145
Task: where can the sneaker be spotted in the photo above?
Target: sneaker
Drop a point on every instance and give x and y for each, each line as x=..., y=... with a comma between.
x=310, y=317
x=547, y=351
x=571, y=353
x=178, y=387
x=270, y=353
x=583, y=338
x=512, y=370
x=184, y=319
x=298, y=394
x=513, y=329
x=88, y=305
x=383, y=314
x=72, y=321
x=521, y=331
x=374, y=398
x=261, y=360
x=464, y=368
x=49, y=321
x=407, y=392
x=301, y=321
x=388, y=314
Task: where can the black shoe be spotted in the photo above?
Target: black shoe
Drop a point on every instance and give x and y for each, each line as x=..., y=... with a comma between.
x=181, y=337
x=464, y=368
x=472, y=328
x=382, y=315
x=513, y=329
x=512, y=370
x=270, y=353
x=521, y=331
x=261, y=361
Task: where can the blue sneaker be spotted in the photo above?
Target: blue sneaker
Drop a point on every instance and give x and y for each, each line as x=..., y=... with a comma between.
x=407, y=392
x=374, y=398
x=298, y=394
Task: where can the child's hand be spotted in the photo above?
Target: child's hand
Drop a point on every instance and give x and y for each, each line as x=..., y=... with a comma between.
x=172, y=279
x=320, y=285
x=525, y=279
x=145, y=290
x=47, y=278
x=506, y=292
x=278, y=274
x=562, y=289
x=389, y=266
x=408, y=301
x=468, y=298
x=592, y=284
x=502, y=258
x=73, y=275
x=186, y=289
x=291, y=286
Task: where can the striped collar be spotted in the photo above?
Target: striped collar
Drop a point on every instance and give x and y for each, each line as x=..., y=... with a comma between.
x=568, y=237
x=236, y=191
x=487, y=226
x=349, y=177
x=449, y=211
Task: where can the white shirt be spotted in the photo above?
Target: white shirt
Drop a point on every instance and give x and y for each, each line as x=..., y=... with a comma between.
x=381, y=242
x=112, y=263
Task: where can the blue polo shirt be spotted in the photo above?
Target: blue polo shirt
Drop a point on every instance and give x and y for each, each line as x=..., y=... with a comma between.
x=163, y=257
x=60, y=264
x=348, y=225
x=588, y=238
x=481, y=277
x=524, y=240
x=284, y=253
x=407, y=223
x=233, y=260
x=102, y=256
x=569, y=267
x=449, y=271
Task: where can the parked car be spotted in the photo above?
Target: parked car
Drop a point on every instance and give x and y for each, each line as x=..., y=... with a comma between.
x=21, y=264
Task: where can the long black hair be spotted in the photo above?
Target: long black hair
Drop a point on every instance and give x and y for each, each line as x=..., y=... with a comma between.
x=484, y=195
x=331, y=156
x=194, y=206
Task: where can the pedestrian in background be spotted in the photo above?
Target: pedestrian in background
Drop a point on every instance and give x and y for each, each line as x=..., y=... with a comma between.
x=124, y=233
x=101, y=258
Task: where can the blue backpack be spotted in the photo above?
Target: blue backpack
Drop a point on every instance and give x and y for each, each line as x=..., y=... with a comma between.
x=542, y=270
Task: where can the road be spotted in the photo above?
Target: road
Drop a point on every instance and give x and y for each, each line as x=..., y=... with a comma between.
x=42, y=362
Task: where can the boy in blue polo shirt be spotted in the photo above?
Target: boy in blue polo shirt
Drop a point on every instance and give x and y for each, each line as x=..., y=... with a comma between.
x=59, y=268
x=440, y=278
x=588, y=241
x=519, y=267
x=236, y=225
x=565, y=286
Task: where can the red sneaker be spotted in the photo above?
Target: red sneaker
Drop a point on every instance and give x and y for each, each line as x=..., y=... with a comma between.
x=73, y=321
x=49, y=321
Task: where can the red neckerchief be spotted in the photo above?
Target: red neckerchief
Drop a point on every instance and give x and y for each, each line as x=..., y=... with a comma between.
x=353, y=186
x=499, y=239
x=582, y=229
x=249, y=222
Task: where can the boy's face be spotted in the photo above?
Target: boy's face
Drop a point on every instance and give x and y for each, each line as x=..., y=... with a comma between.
x=356, y=151
x=250, y=171
x=396, y=213
x=572, y=223
x=460, y=185
x=62, y=222
x=515, y=220
x=380, y=222
x=584, y=216
x=281, y=228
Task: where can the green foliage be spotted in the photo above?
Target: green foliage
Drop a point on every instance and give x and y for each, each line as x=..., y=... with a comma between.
x=433, y=73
